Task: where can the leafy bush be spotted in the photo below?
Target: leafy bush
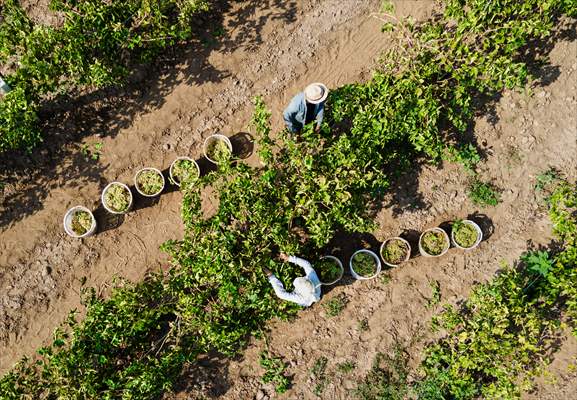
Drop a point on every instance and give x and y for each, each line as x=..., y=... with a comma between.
x=502, y=336
x=499, y=339
x=388, y=377
x=97, y=44
x=134, y=344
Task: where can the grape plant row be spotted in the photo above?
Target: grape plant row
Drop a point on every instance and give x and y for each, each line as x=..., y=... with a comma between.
x=135, y=343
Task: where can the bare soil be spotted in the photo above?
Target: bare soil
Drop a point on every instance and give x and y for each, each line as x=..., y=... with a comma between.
x=267, y=48
x=274, y=48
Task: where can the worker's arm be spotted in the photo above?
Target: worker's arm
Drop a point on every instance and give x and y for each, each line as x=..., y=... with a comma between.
x=320, y=115
x=304, y=264
x=287, y=116
x=292, y=112
x=281, y=291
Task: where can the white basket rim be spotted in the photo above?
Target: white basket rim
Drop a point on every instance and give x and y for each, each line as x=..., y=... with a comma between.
x=69, y=230
x=405, y=241
x=216, y=136
x=436, y=229
x=159, y=172
x=479, y=235
x=104, y=203
x=177, y=183
x=339, y=262
x=375, y=256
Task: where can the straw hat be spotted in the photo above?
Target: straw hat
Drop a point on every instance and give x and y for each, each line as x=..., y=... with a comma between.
x=316, y=93
x=304, y=286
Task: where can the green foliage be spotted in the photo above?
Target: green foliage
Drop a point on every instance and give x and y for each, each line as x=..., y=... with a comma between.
x=336, y=305
x=275, y=372
x=435, y=293
x=184, y=170
x=95, y=46
x=346, y=367
x=545, y=179
x=387, y=6
x=218, y=150
x=318, y=372
x=464, y=234
x=434, y=242
x=483, y=194
x=125, y=346
x=81, y=222
x=395, y=251
x=467, y=156
x=328, y=270
x=364, y=264
x=500, y=338
x=93, y=153
x=117, y=198
x=18, y=119
x=385, y=278
x=363, y=325
x=149, y=182
x=546, y=183
x=215, y=296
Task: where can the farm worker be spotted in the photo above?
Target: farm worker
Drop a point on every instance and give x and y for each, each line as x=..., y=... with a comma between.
x=307, y=288
x=306, y=107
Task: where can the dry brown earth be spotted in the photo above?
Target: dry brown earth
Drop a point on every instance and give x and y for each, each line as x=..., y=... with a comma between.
x=274, y=48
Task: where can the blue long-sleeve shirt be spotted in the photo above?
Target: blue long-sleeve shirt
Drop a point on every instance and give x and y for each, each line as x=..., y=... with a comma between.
x=296, y=112
x=302, y=299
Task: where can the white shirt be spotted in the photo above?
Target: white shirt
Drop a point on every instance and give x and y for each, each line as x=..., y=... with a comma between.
x=302, y=299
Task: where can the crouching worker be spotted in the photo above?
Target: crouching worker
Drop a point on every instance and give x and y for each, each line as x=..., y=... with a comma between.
x=306, y=107
x=307, y=288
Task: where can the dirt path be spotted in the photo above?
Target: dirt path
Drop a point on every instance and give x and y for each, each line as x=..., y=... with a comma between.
x=524, y=136
x=272, y=48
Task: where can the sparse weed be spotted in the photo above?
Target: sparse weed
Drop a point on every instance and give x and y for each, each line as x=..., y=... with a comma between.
x=467, y=156
x=388, y=378
x=275, y=371
x=346, y=367
x=385, y=278
x=435, y=293
x=93, y=153
x=387, y=6
x=483, y=194
x=363, y=325
x=546, y=182
x=318, y=372
x=336, y=305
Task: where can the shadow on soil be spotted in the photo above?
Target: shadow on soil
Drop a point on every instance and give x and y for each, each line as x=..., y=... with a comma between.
x=404, y=192
x=209, y=376
x=27, y=179
x=536, y=56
